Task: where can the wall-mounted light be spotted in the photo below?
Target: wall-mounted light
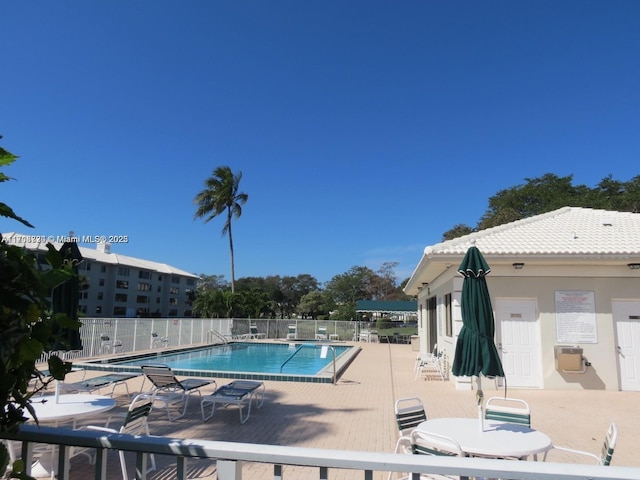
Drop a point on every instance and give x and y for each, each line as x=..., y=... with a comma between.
x=634, y=266
x=518, y=266
x=424, y=284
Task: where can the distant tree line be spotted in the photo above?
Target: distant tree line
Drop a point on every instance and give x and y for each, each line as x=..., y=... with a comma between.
x=286, y=296
x=550, y=192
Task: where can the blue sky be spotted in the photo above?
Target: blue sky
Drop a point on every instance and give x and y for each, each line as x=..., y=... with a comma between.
x=363, y=129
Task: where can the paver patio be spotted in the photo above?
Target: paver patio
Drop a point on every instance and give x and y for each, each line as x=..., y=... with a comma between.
x=357, y=414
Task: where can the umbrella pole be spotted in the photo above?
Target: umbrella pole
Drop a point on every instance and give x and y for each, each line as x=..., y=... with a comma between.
x=480, y=397
x=57, y=396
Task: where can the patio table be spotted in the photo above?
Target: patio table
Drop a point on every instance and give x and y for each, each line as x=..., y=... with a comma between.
x=68, y=407
x=496, y=440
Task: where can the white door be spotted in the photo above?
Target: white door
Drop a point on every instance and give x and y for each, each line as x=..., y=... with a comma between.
x=626, y=316
x=518, y=338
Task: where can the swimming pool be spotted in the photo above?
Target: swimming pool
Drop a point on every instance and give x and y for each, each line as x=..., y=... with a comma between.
x=298, y=362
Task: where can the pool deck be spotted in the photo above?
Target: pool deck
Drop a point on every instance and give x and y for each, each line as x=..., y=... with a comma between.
x=357, y=414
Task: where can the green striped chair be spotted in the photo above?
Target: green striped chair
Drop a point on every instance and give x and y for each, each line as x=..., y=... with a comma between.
x=409, y=414
x=605, y=453
x=423, y=443
x=511, y=410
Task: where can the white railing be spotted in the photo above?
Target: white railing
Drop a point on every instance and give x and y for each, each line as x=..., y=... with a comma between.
x=229, y=457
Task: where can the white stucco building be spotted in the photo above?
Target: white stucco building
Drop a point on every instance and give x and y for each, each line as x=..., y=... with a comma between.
x=122, y=286
x=565, y=291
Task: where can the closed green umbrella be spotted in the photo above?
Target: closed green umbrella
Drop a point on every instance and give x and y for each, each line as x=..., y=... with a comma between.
x=476, y=353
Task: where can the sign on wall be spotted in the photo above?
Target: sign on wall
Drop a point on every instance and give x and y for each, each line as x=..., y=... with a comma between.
x=576, y=317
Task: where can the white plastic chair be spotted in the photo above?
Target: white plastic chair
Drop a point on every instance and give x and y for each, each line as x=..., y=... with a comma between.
x=423, y=443
x=605, y=453
x=409, y=414
x=292, y=332
x=511, y=410
x=135, y=423
x=431, y=366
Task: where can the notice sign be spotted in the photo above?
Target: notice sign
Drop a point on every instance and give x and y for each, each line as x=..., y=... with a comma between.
x=576, y=317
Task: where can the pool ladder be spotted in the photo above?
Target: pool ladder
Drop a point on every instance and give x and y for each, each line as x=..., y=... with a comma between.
x=334, y=379
x=215, y=334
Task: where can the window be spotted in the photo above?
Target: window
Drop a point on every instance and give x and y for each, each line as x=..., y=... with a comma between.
x=191, y=282
x=144, y=287
x=121, y=297
x=101, y=282
x=174, y=291
x=103, y=268
x=448, y=316
x=175, y=279
x=98, y=310
x=144, y=274
x=100, y=295
x=159, y=288
x=173, y=312
x=173, y=301
x=142, y=299
x=122, y=284
x=119, y=311
x=123, y=271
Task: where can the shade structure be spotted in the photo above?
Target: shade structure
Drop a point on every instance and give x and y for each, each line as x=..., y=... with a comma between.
x=65, y=299
x=476, y=353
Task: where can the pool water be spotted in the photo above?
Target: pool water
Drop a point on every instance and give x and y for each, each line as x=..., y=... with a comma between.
x=278, y=361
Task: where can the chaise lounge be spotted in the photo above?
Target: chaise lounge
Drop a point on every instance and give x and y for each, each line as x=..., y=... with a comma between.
x=238, y=392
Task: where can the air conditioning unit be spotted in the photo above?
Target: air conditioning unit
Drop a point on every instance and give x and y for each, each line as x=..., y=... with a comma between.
x=569, y=359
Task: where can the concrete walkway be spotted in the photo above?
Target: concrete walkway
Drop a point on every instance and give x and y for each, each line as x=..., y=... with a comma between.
x=357, y=414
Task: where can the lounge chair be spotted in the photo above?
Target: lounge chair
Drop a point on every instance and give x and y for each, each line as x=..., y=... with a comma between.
x=170, y=391
x=238, y=392
x=253, y=333
x=96, y=383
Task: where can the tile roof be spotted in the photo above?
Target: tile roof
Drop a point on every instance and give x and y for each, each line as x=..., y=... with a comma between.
x=573, y=235
x=568, y=230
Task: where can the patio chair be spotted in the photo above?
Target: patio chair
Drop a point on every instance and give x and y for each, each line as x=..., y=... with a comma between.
x=431, y=366
x=253, y=332
x=605, y=453
x=321, y=334
x=158, y=341
x=105, y=343
x=510, y=410
x=134, y=423
x=170, y=391
x=409, y=414
x=238, y=392
x=292, y=332
x=422, y=443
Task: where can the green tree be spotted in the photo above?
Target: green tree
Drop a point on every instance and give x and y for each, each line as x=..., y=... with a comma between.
x=221, y=195
x=28, y=328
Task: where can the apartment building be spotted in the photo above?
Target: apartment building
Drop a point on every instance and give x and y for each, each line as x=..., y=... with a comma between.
x=116, y=285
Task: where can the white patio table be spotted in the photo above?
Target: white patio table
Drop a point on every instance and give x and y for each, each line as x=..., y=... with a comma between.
x=69, y=407
x=496, y=440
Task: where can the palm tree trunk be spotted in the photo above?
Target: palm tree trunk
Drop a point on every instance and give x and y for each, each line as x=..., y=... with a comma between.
x=233, y=273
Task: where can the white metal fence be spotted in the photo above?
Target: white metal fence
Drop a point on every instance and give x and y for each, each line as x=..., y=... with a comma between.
x=102, y=336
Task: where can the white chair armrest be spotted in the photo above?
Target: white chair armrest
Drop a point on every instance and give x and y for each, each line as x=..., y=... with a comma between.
x=578, y=452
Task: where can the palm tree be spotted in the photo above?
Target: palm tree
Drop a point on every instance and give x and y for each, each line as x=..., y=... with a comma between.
x=221, y=195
